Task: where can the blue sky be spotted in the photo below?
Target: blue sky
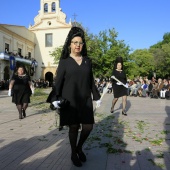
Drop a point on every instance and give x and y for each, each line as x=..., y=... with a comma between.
x=140, y=23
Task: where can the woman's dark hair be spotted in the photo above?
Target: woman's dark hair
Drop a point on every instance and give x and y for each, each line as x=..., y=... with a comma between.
x=118, y=60
x=74, y=32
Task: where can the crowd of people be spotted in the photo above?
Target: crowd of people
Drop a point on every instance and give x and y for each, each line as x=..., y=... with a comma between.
x=40, y=83
x=141, y=86
x=154, y=88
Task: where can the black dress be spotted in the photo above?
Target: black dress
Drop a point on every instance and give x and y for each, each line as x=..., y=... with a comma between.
x=21, y=89
x=119, y=90
x=75, y=83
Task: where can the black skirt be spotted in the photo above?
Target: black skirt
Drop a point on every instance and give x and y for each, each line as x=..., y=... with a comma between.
x=119, y=91
x=20, y=98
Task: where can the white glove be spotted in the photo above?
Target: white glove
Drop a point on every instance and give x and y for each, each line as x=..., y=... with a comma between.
x=55, y=103
x=9, y=92
x=118, y=83
x=32, y=90
x=98, y=103
x=126, y=85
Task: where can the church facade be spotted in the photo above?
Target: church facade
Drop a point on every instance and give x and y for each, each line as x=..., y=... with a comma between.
x=33, y=46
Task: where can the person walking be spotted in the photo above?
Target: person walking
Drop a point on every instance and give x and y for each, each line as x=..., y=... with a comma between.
x=20, y=88
x=75, y=85
x=118, y=89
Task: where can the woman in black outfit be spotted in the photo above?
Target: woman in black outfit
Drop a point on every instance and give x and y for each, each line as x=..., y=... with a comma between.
x=21, y=86
x=118, y=89
x=75, y=84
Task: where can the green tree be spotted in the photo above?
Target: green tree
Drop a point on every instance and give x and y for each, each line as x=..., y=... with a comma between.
x=141, y=63
x=105, y=49
x=159, y=56
x=161, y=53
x=166, y=68
x=56, y=54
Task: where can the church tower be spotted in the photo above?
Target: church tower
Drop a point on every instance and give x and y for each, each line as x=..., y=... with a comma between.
x=50, y=30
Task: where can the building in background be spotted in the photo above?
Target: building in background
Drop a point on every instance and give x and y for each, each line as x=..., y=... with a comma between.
x=33, y=46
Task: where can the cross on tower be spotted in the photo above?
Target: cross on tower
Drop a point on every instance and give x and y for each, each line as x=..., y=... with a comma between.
x=74, y=17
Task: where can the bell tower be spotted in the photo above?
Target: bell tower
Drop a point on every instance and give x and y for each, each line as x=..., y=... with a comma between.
x=49, y=9
x=48, y=6
x=50, y=29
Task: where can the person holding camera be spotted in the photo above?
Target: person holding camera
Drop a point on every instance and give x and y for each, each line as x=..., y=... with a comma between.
x=73, y=91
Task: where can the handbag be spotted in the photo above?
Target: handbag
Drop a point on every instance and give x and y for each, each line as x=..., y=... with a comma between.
x=63, y=102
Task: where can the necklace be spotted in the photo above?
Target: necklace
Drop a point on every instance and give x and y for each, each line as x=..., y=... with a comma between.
x=77, y=58
x=80, y=58
x=21, y=76
x=119, y=70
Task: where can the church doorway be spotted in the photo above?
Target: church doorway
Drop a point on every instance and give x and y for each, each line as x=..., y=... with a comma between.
x=49, y=78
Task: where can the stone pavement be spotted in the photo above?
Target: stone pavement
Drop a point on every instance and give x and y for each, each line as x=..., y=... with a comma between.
x=139, y=141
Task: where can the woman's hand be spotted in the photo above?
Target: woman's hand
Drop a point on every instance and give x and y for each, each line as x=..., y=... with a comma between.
x=32, y=90
x=118, y=83
x=98, y=103
x=55, y=104
x=9, y=92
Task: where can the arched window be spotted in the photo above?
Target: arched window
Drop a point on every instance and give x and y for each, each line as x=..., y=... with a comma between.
x=45, y=7
x=53, y=7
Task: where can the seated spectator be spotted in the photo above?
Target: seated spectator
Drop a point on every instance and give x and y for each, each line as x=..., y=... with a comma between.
x=150, y=87
x=153, y=80
x=164, y=89
x=157, y=88
x=131, y=85
x=167, y=93
x=143, y=89
x=134, y=90
x=102, y=85
x=109, y=87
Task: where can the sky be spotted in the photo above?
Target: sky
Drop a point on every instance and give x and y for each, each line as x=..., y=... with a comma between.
x=140, y=23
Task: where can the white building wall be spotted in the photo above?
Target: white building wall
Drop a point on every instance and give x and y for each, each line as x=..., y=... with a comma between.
x=33, y=39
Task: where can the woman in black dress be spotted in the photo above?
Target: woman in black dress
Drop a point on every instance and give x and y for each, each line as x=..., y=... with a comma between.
x=118, y=89
x=75, y=84
x=21, y=88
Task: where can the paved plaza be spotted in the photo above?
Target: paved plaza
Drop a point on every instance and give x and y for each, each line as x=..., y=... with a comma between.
x=139, y=141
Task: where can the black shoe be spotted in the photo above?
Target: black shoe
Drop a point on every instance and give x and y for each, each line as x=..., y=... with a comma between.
x=23, y=112
x=20, y=116
x=60, y=128
x=76, y=161
x=124, y=113
x=81, y=155
x=111, y=110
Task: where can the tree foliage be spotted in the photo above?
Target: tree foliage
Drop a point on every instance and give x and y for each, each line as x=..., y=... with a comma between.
x=161, y=53
x=142, y=63
x=56, y=54
x=109, y=48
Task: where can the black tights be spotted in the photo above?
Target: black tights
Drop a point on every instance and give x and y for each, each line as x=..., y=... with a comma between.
x=21, y=106
x=73, y=135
